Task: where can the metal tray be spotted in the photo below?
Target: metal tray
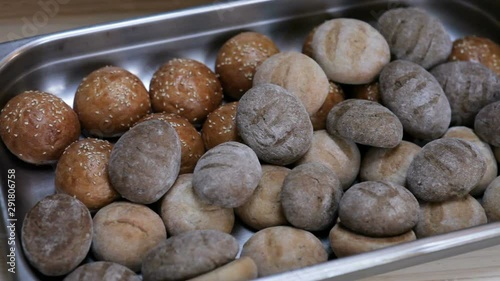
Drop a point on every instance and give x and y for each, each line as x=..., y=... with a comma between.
x=57, y=63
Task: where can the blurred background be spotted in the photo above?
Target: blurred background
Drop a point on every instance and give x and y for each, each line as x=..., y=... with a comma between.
x=26, y=18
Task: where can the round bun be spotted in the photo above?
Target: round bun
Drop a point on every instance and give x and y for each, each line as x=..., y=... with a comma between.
x=297, y=73
x=110, y=100
x=192, y=147
x=477, y=49
x=238, y=59
x=185, y=87
x=448, y=216
x=469, y=87
x=378, y=209
x=275, y=124
x=414, y=35
x=227, y=175
x=195, y=215
x=347, y=243
x=282, y=248
x=264, y=208
x=220, y=126
x=350, y=51
x=145, y=162
x=125, y=232
x=188, y=255
x=335, y=95
x=37, y=127
x=82, y=172
x=56, y=234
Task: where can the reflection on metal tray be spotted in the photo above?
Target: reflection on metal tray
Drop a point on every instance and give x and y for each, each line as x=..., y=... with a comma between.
x=57, y=63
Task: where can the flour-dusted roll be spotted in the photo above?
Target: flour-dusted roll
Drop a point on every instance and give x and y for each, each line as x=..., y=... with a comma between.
x=56, y=234
x=145, y=162
x=275, y=124
x=469, y=87
x=192, y=147
x=365, y=122
x=445, y=169
x=416, y=36
x=189, y=255
x=416, y=97
x=37, y=127
x=227, y=175
x=350, y=51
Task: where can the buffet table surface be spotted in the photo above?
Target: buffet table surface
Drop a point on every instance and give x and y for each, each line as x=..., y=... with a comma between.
x=479, y=265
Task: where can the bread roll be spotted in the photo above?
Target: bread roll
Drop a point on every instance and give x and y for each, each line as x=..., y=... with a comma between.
x=238, y=59
x=109, y=101
x=187, y=88
x=82, y=172
x=37, y=127
x=350, y=51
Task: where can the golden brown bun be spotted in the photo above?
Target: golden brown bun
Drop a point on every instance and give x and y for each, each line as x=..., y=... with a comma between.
x=477, y=49
x=192, y=147
x=110, y=100
x=37, y=127
x=82, y=172
x=307, y=47
x=238, y=60
x=335, y=95
x=185, y=87
x=369, y=92
x=220, y=126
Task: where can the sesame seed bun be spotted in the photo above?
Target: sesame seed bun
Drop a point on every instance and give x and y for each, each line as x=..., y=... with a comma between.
x=37, y=127
x=335, y=95
x=82, y=172
x=220, y=126
x=477, y=49
x=185, y=87
x=238, y=60
x=192, y=147
x=109, y=101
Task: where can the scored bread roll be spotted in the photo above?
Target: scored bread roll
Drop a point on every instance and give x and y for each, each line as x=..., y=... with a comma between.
x=37, y=127
x=350, y=51
x=297, y=73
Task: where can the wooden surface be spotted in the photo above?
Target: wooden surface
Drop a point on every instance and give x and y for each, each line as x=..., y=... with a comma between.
x=29, y=18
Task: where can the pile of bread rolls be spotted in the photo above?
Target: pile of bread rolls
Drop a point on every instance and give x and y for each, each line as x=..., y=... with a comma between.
x=338, y=138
